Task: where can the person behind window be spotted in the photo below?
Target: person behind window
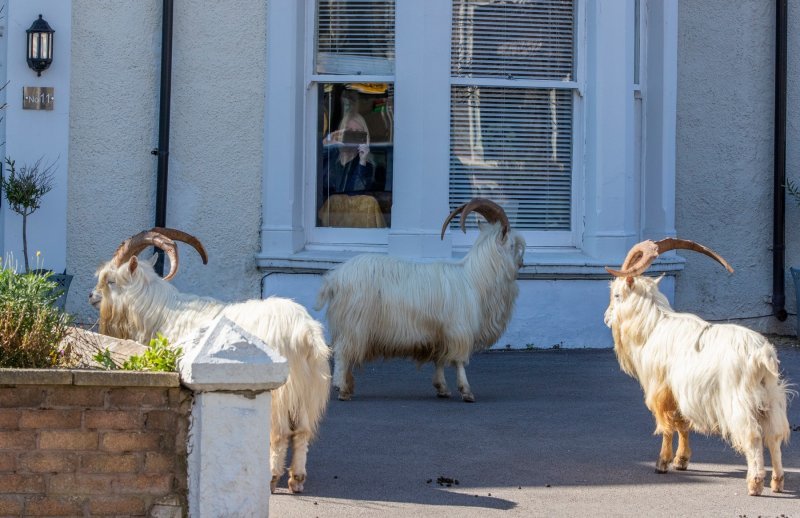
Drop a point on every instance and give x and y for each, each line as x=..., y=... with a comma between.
x=346, y=163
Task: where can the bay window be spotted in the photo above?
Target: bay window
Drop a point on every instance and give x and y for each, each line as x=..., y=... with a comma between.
x=383, y=115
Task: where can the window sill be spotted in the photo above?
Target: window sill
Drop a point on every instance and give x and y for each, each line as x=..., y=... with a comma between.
x=562, y=265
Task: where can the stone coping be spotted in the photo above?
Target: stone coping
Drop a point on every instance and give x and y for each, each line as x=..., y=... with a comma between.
x=88, y=377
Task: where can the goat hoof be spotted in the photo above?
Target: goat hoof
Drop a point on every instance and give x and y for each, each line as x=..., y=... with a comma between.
x=467, y=397
x=344, y=396
x=755, y=486
x=662, y=466
x=681, y=463
x=441, y=391
x=296, y=483
x=776, y=484
x=273, y=484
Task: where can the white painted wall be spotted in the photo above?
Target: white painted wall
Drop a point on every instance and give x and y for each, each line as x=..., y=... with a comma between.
x=562, y=313
x=34, y=134
x=725, y=156
x=215, y=144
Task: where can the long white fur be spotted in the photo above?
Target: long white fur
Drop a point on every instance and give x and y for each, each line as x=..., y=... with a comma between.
x=383, y=307
x=725, y=378
x=136, y=305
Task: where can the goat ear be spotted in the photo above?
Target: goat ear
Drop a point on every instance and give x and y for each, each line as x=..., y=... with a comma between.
x=629, y=281
x=153, y=259
x=660, y=278
x=132, y=264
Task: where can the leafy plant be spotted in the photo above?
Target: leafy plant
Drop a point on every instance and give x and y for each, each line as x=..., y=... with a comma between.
x=31, y=327
x=158, y=357
x=24, y=190
x=794, y=190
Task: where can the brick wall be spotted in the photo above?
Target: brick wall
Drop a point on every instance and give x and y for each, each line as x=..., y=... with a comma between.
x=92, y=443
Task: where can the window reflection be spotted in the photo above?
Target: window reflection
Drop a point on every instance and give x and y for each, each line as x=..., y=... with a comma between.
x=354, y=167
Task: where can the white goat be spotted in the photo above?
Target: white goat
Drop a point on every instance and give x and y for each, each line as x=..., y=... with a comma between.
x=712, y=378
x=135, y=303
x=383, y=307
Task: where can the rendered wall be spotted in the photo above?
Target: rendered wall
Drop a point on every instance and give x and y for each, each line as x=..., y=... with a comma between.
x=31, y=135
x=216, y=138
x=548, y=313
x=725, y=156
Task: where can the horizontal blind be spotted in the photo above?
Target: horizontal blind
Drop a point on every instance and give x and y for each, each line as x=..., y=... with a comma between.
x=513, y=39
x=513, y=146
x=355, y=37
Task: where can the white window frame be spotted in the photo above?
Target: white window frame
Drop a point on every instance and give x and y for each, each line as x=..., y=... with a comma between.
x=328, y=238
x=553, y=239
x=606, y=193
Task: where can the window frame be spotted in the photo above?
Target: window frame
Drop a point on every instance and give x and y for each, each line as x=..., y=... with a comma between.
x=549, y=239
x=328, y=238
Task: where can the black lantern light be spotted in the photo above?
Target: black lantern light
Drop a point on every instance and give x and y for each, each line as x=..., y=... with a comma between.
x=40, y=45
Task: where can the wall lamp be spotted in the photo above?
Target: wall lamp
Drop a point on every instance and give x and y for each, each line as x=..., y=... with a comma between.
x=40, y=45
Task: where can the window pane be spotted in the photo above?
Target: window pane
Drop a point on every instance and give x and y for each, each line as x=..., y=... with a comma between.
x=513, y=39
x=355, y=37
x=354, y=166
x=514, y=146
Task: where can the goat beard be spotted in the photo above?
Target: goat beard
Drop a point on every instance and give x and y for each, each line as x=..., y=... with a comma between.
x=622, y=351
x=113, y=323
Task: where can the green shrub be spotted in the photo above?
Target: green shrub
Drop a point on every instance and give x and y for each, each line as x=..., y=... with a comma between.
x=158, y=357
x=31, y=327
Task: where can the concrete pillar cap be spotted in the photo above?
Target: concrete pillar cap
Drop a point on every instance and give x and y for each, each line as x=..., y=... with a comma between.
x=223, y=356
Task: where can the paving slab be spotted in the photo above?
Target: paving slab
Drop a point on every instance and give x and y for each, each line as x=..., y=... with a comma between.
x=552, y=433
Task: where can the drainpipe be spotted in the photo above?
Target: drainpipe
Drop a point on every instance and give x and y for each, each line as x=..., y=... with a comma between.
x=779, y=194
x=162, y=152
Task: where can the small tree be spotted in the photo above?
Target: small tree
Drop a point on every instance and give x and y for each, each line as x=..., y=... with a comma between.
x=24, y=191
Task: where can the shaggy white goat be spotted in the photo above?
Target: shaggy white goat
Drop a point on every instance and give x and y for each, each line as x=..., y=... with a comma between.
x=135, y=303
x=383, y=307
x=712, y=378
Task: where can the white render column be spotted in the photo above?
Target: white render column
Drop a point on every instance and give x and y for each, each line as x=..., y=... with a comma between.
x=422, y=129
x=232, y=373
x=611, y=195
x=282, y=187
x=659, y=92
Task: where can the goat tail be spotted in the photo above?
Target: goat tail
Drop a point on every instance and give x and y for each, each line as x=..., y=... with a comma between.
x=775, y=422
x=325, y=294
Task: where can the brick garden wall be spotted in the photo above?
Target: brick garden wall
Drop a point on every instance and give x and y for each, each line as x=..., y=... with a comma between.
x=92, y=443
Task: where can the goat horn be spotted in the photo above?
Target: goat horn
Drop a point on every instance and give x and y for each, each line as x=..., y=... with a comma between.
x=450, y=218
x=642, y=255
x=486, y=208
x=671, y=243
x=135, y=244
x=638, y=260
x=179, y=235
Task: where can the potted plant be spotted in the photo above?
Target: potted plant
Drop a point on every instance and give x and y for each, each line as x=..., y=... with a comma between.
x=24, y=190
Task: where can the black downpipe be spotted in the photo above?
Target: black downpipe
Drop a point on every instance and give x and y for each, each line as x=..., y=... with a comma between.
x=163, y=126
x=779, y=211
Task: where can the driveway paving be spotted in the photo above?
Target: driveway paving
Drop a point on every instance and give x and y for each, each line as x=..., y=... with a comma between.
x=552, y=433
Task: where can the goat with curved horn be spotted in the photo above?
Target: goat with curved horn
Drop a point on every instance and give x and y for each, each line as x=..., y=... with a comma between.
x=135, y=303
x=721, y=379
x=439, y=312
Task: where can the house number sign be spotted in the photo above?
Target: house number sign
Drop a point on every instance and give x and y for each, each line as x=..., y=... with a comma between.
x=38, y=97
